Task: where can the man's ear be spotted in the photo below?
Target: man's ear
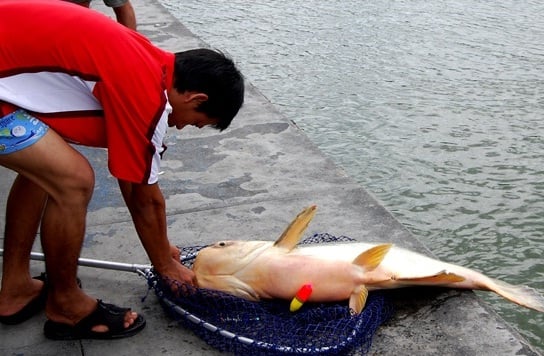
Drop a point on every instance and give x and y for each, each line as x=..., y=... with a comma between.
x=197, y=98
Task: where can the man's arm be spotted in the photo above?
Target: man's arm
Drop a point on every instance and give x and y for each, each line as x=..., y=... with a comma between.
x=148, y=210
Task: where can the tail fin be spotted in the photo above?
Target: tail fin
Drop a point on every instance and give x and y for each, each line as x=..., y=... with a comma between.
x=523, y=295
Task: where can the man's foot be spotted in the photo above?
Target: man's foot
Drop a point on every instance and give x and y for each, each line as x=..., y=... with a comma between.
x=27, y=305
x=107, y=321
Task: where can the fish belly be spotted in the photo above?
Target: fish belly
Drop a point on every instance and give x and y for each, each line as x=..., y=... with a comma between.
x=331, y=280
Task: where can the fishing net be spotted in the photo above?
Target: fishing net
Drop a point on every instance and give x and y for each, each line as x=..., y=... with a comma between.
x=242, y=327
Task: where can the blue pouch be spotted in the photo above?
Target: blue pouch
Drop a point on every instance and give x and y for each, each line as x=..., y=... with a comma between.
x=19, y=130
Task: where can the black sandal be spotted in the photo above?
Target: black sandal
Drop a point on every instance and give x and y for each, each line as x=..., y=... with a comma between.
x=105, y=314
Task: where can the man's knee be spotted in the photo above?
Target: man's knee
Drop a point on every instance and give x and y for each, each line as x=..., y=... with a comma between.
x=80, y=184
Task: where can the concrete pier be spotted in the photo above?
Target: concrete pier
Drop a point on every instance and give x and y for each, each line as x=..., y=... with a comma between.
x=248, y=182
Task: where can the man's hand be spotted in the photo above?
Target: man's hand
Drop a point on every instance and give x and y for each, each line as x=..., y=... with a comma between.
x=178, y=272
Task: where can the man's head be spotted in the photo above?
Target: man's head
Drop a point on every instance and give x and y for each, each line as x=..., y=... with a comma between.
x=207, y=85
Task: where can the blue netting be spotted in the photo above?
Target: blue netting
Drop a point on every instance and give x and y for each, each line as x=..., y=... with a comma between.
x=267, y=327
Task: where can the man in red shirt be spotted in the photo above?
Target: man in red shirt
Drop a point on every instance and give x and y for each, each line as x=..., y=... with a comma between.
x=72, y=75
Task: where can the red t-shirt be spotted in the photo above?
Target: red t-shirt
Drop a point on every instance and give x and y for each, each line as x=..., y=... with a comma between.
x=92, y=80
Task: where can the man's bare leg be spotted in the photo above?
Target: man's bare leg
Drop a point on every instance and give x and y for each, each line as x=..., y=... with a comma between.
x=23, y=214
x=68, y=179
x=125, y=15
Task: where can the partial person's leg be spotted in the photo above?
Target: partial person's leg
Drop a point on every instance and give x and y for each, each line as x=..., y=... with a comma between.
x=23, y=214
x=125, y=15
x=81, y=2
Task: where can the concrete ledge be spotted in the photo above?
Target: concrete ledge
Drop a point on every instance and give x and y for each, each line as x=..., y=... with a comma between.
x=248, y=183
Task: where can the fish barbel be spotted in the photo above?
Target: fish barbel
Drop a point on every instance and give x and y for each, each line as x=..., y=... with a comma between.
x=264, y=269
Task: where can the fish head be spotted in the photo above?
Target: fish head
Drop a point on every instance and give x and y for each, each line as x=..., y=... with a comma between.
x=225, y=266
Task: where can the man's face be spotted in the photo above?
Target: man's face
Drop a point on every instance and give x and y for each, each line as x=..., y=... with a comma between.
x=184, y=111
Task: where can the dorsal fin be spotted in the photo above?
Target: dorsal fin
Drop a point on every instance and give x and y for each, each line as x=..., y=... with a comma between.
x=292, y=235
x=371, y=258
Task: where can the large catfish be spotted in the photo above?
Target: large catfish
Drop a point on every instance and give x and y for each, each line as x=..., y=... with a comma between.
x=263, y=269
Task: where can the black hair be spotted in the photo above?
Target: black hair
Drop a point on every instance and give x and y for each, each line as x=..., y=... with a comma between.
x=211, y=72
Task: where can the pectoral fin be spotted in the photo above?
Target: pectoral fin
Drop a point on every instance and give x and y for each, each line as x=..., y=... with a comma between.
x=371, y=258
x=357, y=300
x=292, y=235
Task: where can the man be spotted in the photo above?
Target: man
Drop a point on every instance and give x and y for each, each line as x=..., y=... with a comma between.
x=124, y=12
x=97, y=84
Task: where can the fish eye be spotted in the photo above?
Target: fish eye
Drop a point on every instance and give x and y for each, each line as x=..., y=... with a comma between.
x=222, y=244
